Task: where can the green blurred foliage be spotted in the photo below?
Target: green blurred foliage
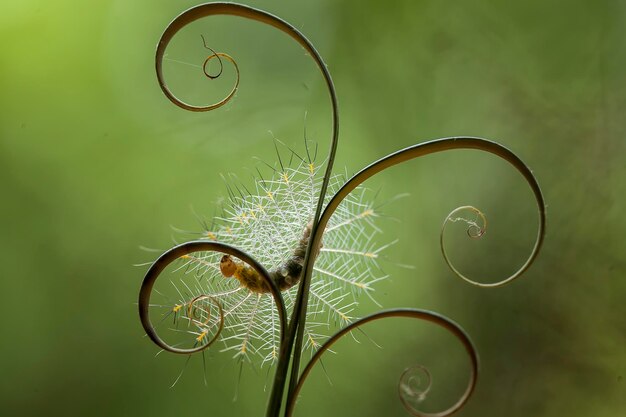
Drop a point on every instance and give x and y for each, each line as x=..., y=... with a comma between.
x=94, y=162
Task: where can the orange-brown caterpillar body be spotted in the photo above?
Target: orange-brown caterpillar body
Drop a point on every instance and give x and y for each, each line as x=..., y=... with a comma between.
x=285, y=276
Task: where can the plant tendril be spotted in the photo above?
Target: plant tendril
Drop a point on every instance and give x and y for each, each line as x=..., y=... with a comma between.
x=440, y=145
x=219, y=55
x=411, y=387
x=414, y=314
x=474, y=231
x=183, y=250
x=215, y=55
x=192, y=310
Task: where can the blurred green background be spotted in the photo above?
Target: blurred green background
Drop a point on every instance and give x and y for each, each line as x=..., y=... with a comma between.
x=94, y=162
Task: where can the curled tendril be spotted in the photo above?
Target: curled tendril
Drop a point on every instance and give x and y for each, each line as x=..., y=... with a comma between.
x=415, y=314
x=212, y=77
x=413, y=387
x=440, y=145
x=215, y=55
x=181, y=250
x=474, y=231
x=197, y=319
x=193, y=309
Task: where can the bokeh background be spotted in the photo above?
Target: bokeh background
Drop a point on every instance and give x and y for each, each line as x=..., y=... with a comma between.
x=95, y=162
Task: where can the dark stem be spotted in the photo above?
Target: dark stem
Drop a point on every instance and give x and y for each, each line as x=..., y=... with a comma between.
x=435, y=318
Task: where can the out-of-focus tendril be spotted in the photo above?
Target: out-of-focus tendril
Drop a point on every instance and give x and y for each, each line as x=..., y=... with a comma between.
x=410, y=313
x=413, y=387
x=192, y=311
x=292, y=336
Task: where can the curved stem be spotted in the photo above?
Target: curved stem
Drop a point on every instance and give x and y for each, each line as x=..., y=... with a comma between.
x=442, y=321
x=200, y=246
x=440, y=145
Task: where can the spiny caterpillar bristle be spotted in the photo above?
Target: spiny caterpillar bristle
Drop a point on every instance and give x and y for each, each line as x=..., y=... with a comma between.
x=273, y=225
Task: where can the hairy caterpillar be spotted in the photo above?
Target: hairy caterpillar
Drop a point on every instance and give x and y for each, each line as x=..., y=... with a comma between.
x=284, y=276
x=217, y=298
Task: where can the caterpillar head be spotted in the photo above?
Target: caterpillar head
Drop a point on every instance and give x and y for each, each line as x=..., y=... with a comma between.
x=228, y=267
